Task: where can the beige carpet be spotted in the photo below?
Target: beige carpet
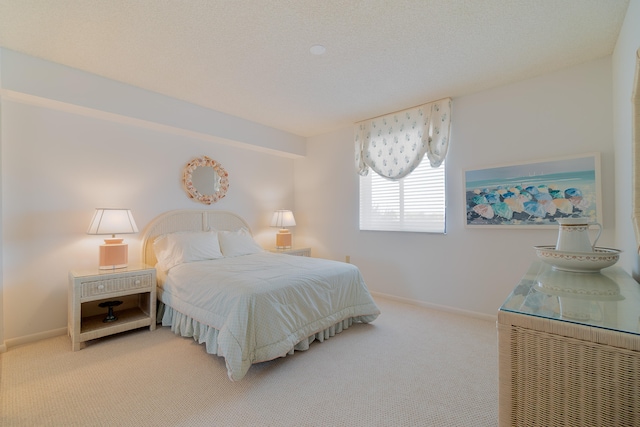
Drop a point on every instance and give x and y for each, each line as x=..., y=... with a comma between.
x=411, y=367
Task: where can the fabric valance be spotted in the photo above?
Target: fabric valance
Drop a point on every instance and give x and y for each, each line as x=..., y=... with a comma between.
x=394, y=145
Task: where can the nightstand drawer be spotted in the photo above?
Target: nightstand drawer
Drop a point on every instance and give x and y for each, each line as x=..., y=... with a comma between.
x=106, y=286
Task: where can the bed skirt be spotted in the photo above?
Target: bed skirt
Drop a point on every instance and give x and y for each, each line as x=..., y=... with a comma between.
x=186, y=326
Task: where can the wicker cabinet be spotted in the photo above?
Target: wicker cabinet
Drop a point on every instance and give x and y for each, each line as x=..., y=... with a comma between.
x=131, y=293
x=569, y=350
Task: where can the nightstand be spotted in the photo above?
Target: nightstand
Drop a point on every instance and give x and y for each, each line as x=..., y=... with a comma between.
x=130, y=291
x=293, y=251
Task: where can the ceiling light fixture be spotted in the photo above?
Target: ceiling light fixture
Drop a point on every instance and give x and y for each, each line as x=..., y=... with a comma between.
x=317, y=49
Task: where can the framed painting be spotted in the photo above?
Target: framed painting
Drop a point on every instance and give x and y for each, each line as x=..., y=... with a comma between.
x=534, y=194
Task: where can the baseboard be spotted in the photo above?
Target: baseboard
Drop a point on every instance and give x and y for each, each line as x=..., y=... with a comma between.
x=424, y=304
x=63, y=331
x=33, y=338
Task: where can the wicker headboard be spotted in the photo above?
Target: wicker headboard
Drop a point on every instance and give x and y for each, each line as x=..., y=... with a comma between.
x=187, y=220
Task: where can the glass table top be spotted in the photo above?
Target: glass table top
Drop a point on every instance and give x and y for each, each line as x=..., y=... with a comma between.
x=609, y=299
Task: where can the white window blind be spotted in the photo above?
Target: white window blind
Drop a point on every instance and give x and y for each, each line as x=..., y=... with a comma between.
x=414, y=203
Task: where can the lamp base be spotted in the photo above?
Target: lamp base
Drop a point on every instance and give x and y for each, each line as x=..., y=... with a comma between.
x=113, y=255
x=283, y=239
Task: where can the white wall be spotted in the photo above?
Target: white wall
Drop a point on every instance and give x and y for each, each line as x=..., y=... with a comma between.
x=63, y=158
x=70, y=142
x=559, y=114
x=624, y=65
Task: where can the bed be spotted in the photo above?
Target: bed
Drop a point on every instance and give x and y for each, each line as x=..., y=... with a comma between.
x=243, y=303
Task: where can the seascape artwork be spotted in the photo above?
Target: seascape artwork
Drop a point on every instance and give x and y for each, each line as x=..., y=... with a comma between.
x=534, y=194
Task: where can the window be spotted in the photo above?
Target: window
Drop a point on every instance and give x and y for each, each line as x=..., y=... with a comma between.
x=414, y=203
x=400, y=158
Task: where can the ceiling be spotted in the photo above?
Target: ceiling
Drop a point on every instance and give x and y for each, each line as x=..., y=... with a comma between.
x=251, y=58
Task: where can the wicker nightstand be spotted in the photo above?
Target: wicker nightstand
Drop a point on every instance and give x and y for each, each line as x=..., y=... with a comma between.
x=293, y=251
x=131, y=293
x=569, y=349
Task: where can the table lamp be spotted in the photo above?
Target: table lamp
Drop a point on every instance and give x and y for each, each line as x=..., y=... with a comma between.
x=283, y=219
x=113, y=253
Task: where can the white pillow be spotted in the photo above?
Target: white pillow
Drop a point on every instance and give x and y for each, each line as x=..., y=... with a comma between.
x=186, y=246
x=239, y=242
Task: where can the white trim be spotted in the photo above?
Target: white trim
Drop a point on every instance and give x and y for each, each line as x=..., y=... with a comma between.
x=23, y=98
x=27, y=339
x=635, y=150
x=466, y=313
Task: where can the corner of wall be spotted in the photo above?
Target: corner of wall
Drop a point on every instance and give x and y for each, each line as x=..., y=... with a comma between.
x=623, y=71
x=3, y=347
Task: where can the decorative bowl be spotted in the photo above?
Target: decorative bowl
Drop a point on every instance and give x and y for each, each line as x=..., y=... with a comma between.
x=580, y=262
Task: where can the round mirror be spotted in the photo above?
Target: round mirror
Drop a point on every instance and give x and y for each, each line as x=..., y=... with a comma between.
x=205, y=180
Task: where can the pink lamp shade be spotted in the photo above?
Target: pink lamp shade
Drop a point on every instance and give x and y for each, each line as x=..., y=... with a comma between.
x=113, y=253
x=283, y=219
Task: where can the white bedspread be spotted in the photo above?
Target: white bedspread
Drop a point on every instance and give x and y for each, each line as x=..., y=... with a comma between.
x=262, y=305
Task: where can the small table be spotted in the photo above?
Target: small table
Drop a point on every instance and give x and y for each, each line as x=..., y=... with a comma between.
x=569, y=349
x=293, y=251
x=97, y=296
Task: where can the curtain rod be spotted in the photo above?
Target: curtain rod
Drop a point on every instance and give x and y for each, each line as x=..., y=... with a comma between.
x=404, y=109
